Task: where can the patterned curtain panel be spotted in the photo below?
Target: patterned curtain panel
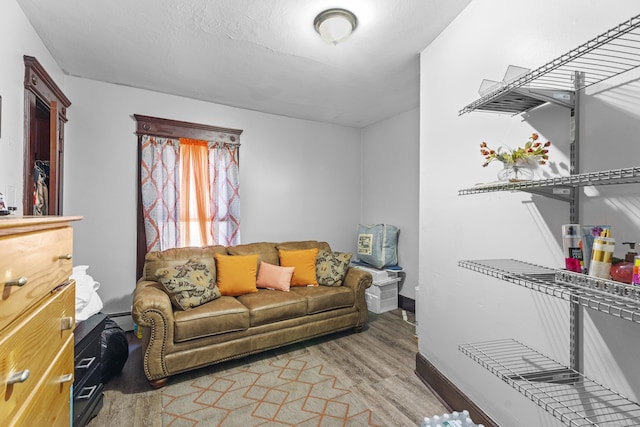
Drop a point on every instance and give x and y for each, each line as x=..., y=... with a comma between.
x=160, y=188
x=225, y=191
x=172, y=184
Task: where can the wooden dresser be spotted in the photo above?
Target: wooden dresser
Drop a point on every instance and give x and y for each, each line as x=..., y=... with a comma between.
x=37, y=319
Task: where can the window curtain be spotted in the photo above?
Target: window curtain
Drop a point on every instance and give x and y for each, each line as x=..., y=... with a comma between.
x=194, y=192
x=224, y=168
x=160, y=189
x=190, y=192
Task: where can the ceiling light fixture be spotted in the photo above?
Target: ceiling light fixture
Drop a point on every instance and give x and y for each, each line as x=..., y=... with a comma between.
x=335, y=25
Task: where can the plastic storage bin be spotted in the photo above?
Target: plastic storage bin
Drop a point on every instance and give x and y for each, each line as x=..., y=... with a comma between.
x=382, y=296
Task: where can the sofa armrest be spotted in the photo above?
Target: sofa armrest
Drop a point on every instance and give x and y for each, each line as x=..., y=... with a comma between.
x=153, y=311
x=359, y=280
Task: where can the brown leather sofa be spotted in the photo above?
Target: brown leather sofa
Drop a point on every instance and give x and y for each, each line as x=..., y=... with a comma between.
x=231, y=327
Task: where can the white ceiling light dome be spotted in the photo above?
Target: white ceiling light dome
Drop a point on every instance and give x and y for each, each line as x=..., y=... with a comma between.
x=335, y=25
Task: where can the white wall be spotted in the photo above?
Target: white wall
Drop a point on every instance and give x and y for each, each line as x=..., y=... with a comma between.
x=390, y=168
x=455, y=305
x=298, y=179
x=17, y=38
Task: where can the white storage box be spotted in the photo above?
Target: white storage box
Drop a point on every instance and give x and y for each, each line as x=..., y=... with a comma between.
x=379, y=275
x=382, y=296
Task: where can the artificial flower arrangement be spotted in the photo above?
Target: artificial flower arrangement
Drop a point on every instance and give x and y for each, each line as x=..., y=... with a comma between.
x=533, y=150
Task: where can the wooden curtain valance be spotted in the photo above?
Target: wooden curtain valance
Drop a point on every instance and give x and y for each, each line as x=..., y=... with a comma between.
x=176, y=129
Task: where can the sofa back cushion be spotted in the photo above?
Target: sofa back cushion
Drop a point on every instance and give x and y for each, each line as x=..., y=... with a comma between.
x=171, y=258
x=303, y=244
x=266, y=251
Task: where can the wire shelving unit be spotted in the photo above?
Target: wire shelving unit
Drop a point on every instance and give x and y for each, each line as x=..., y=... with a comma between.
x=566, y=394
x=613, y=52
x=563, y=391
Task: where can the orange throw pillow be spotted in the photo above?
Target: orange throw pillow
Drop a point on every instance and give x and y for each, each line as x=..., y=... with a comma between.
x=236, y=274
x=304, y=262
x=274, y=277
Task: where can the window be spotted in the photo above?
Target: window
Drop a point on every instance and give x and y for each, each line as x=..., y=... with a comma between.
x=188, y=185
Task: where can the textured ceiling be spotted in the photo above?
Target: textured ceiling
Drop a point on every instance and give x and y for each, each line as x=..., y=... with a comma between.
x=260, y=55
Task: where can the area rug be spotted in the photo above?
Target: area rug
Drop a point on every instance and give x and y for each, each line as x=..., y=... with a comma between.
x=295, y=389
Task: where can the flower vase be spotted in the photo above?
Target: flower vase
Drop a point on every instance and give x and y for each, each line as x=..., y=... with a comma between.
x=513, y=172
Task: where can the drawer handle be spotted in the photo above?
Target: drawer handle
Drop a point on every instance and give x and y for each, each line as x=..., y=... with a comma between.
x=66, y=378
x=85, y=363
x=18, y=377
x=21, y=281
x=86, y=393
x=67, y=256
x=66, y=323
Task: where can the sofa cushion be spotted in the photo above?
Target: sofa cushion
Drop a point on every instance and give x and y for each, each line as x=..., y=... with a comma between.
x=325, y=298
x=302, y=244
x=274, y=277
x=267, y=306
x=236, y=274
x=225, y=314
x=304, y=262
x=266, y=252
x=331, y=267
x=188, y=285
x=178, y=256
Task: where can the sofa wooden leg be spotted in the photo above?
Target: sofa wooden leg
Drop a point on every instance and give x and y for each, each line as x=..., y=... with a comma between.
x=158, y=383
x=358, y=328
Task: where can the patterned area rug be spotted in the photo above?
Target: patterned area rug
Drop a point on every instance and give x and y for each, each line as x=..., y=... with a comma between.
x=296, y=389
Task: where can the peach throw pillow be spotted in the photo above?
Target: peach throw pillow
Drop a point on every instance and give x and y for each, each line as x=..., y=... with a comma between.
x=236, y=274
x=304, y=262
x=274, y=277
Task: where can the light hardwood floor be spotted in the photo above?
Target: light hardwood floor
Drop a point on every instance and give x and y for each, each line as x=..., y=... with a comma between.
x=378, y=365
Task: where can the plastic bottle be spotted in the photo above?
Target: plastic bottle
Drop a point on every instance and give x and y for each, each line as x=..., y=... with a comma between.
x=601, y=254
x=572, y=246
x=454, y=419
x=635, y=279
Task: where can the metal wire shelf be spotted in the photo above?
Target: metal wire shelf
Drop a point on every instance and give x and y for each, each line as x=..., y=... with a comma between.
x=614, y=52
x=568, y=395
x=606, y=296
x=561, y=186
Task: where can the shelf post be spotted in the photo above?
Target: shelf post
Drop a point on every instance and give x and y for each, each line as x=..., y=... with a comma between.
x=576, y=312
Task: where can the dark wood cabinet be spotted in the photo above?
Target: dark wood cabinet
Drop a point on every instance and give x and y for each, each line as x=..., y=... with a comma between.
x=87, y=387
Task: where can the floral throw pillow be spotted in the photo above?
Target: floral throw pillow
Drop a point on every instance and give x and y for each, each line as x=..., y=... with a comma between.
x=331, y=267
x=188, y=285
